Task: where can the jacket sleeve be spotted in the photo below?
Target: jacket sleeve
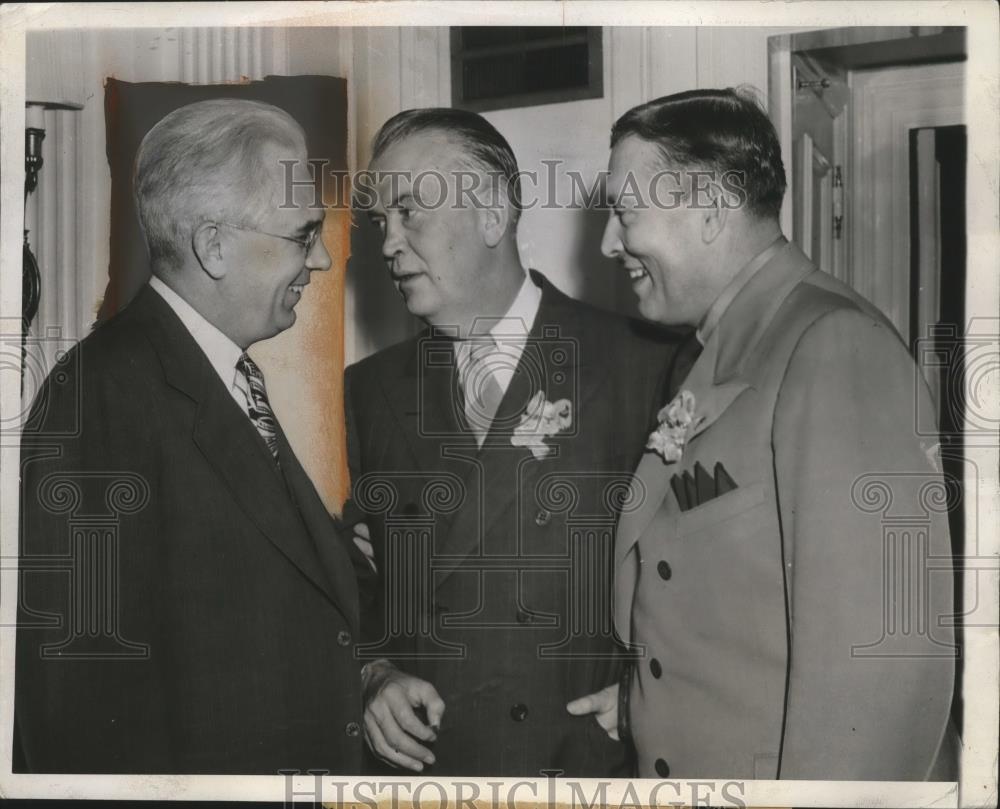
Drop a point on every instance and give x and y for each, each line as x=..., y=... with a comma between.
x=86, y=672
x=871, y=662
x=369, y=582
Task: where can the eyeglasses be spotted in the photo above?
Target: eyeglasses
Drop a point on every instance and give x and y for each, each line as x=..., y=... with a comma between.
x=306, y=244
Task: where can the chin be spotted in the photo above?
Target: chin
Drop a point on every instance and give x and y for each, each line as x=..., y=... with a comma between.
x=284, y=322
x=418, y=307
x=651, y=311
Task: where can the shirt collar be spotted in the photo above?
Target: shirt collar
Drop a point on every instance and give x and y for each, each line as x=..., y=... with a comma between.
x=520, y=317
x=733, y=288
x=222, y=352
x=516, y=323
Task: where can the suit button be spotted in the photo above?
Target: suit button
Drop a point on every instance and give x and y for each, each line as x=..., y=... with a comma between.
x=655, y=668
x=524, y=617
x=662, y=768
x=344, y=638
x=543, y=517
x=519, y=712
x=664, y=570
x=352, y=729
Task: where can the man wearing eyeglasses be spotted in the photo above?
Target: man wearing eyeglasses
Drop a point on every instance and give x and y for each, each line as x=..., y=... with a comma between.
x=217, y=633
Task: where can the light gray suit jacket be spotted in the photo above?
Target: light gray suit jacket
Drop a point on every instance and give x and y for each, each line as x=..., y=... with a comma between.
x=793, y=628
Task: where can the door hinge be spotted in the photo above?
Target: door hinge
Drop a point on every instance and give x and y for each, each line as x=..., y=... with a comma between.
x=838, y=202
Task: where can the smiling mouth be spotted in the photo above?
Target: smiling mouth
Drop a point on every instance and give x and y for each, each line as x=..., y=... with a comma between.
x=297, y=288
x=636, y=273
x=401, y=277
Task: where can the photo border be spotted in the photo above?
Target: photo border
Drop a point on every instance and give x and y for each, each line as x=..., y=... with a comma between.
x=977, y=785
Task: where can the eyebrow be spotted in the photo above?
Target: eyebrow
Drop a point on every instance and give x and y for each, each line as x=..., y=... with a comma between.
x=308, y=227
x=406, y=196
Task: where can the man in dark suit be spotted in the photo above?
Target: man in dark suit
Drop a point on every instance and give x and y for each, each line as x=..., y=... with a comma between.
x=187, y=604
x=488, y=454
x=778, y=575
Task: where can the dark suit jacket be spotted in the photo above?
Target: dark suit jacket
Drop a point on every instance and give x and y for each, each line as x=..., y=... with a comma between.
x=496, y=565
x=203, y=605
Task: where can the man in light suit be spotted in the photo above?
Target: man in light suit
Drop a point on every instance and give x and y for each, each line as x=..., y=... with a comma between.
x=487, y=455
x=187, y=603
x=765, y=578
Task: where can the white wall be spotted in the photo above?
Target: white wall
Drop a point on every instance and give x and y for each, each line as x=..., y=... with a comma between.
x=388, y=69
x=75, y=182
x=393, y=69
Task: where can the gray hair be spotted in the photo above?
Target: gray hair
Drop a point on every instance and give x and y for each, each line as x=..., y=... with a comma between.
x=483, y=146
x=206, y=161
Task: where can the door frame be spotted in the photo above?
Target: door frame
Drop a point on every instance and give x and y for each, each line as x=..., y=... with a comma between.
x=921, y=42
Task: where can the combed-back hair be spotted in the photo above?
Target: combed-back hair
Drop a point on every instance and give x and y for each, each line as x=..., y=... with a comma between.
x=485, y=147
x=206, y=161
x=722, y=131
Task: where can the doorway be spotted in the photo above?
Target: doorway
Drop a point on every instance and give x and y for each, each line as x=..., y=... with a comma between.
x=873, y=131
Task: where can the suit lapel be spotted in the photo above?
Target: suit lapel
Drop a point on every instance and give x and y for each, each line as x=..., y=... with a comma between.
x=501, y=471
x=424, y=402
x=712, y=398
x=426, y=406
x=229, y=441
x=321, y=526
x=717, y=379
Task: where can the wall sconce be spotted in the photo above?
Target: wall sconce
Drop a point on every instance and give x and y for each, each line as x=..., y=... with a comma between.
x=55, y=69
x=31, y=278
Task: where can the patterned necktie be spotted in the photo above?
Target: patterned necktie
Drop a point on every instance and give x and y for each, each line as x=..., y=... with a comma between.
x=257, y=405
x=483, y=393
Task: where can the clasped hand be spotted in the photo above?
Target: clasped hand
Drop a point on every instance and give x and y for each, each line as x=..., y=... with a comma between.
x=393, y=730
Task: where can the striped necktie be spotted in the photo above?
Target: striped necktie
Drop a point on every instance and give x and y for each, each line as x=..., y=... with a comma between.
x=258, y=407
x=483, y=393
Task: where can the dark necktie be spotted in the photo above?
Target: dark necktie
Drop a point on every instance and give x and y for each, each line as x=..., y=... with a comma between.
x=684, y=360
x=258, y=407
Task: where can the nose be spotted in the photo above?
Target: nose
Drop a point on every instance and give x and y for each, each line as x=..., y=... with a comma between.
x=611, y=241
x=318, y=258
x=392, y=241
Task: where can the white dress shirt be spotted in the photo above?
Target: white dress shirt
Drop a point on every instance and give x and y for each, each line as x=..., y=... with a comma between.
x=222, y=352
x=509, y=333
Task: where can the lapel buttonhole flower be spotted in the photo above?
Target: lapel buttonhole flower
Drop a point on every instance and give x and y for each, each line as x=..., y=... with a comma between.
x=540, y=420
x=675, y=420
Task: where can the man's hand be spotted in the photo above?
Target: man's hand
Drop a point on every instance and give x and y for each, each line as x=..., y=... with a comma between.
x=392, y=727
x=363, y=539
x=604, y=704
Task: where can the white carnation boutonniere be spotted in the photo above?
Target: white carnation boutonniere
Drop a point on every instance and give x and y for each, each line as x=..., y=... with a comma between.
x=676, y=419
x=540, y=420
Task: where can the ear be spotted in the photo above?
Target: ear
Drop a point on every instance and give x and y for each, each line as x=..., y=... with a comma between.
x=714, y=216
x=207, y=245
x=494, y=220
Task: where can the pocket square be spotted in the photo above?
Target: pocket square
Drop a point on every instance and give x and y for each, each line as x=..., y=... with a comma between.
x=700, y=488
x=677, y=484
x=704, y=484
x=723, y=482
